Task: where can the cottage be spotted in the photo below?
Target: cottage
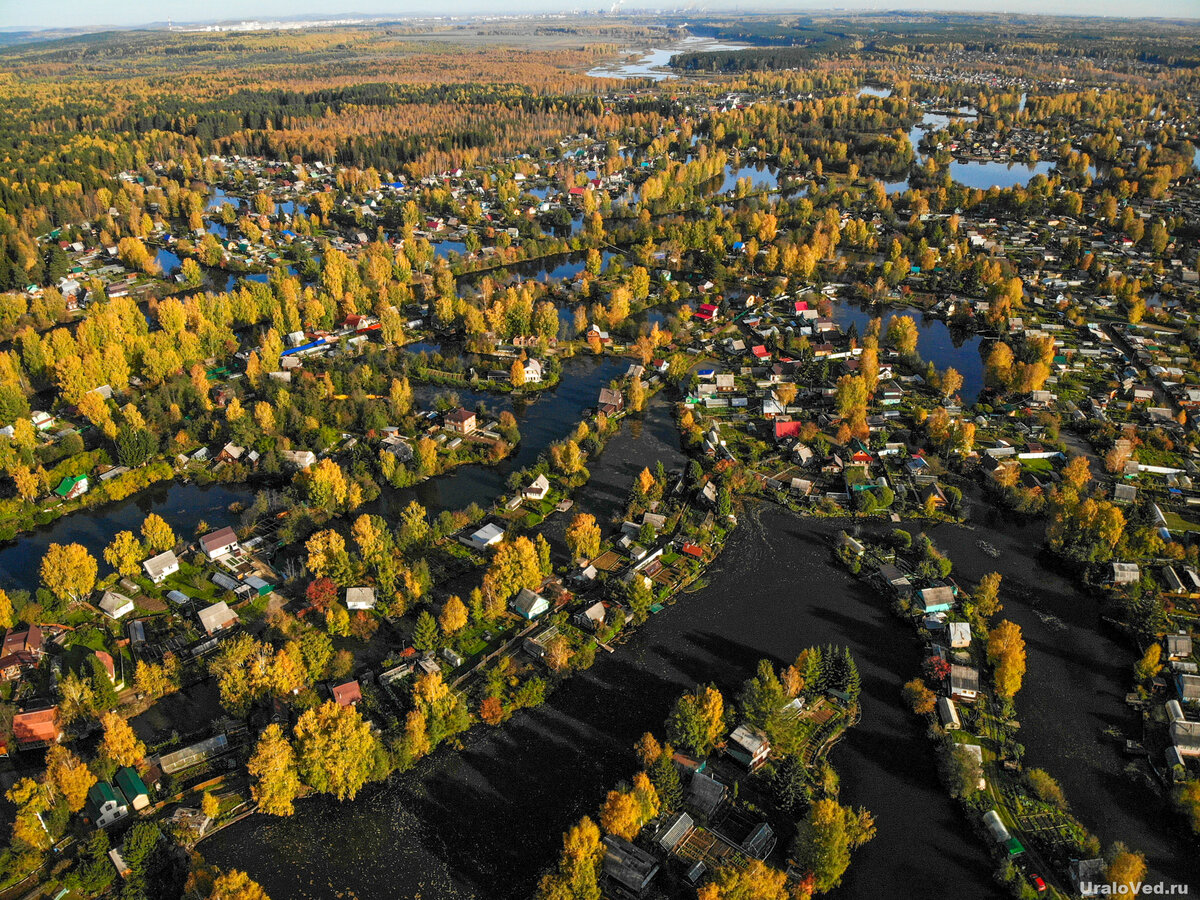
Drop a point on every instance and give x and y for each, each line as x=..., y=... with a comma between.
x=487, y=536
x=1125, y=573
x=26, y=640
x=533, y=371
x=347, y=694
x=538, y=489
x=301, y=459
x=115, y=605
x=611, y=401
x=130, y=783
x=159, y=567
x=935, y=599
x=105, y=804
x=894, y=579
x=948, y=713
x=591, y=618
x=964, y=683
x=749, y=746
x=360, y=598
x=72, y=487
x=960, y=635
x=705, y=794
x=38, y=728
x=528, y=604
x=460, y=421
x=1177, y=646
x=219, y=543
x=631, y=867
x=1088, y=876
x=217, y=618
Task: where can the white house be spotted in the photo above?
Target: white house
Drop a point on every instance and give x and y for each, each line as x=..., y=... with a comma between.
x=360, y=598
x=533, y=371
x=301, y=459
x=115, y=605
x=159, y=567
x=487, y=536
x=537, y=490
x=219, y=543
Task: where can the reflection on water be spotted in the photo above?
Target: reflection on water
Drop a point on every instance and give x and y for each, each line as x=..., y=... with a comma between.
x=936, y=342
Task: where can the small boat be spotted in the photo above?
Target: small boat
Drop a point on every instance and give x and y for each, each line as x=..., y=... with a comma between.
x=988, y=549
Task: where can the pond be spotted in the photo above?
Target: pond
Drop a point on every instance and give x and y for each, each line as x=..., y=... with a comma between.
x=980, y=174
x=761, y=176
x=870, y=91
x=543, y=418
x=182, y=505
x=936, y=342
x=168, y=261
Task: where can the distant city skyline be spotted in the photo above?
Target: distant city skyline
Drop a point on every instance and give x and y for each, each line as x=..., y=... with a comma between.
x=88, y=14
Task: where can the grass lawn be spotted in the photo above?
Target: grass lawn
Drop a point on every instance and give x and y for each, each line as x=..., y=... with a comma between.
x=1044, y=466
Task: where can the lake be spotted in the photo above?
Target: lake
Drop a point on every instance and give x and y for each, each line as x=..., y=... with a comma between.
x=653, y=64
x=981, y=174
x=936, y=342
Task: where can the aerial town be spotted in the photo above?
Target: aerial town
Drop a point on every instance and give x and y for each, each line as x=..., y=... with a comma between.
x=601, y=455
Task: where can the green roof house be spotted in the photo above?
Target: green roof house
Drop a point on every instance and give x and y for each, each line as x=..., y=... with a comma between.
x=132, y=786
x=105, y=804
x=70, y=488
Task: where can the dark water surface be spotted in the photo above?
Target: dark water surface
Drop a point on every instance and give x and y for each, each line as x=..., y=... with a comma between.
x=484, y=822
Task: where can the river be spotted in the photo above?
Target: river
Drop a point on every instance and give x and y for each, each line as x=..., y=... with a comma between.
x=485, y=821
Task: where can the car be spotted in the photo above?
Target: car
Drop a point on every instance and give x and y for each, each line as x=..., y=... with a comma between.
x=1038, y=884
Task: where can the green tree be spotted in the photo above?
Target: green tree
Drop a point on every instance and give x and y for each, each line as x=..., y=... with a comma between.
x=425, y=633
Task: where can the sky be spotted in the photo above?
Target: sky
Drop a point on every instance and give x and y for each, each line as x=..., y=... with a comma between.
x=97, y=13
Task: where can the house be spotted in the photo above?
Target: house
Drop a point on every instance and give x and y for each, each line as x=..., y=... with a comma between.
x=347, y=694
x=960, y=635
x=894, y=579
x=935, y=599
x=1125, y=573
x=217, y=618
x=1089, y=877
x=629, y=866
x=611, y=401
x=533, y=371
x=130, y=783
x=460, y=421
x=529, y=605
x=301, y=459
x=591, y=618
x=964, y=683
x=13, y=665
x=219, y=543
x=26, y=640
x=487, y=536
x=115, y=605
x=119, y=863
x=1177, y=646
x=159, y=567
x=106, y=661
x=705, y=794
x=36, y=729
x=70, y=488
x=948, y=713
x=360, y=598
x=725, y=384
x=749, y=746
x=230, y=453
x=537, y=490
x=1188, y=687
x=105, y=804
